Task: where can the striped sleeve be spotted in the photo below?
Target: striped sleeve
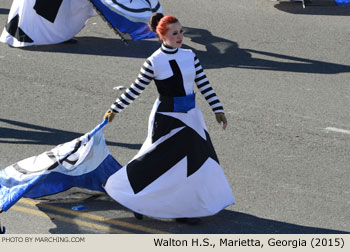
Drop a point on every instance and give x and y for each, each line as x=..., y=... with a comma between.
x=205, y=88
x=145, y=76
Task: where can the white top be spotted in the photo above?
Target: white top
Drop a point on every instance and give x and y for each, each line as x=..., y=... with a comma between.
x=174, y=71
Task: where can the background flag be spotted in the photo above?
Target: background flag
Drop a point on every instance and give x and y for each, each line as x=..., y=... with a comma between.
x=42, y=22
x=128, y=18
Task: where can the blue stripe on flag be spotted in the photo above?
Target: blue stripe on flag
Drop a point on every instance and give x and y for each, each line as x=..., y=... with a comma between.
x=342, y=2
x=137, y=30
x=56, y=182
x=10, y=195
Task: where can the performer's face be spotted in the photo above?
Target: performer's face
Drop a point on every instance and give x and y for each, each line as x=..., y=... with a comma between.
x=174, y=36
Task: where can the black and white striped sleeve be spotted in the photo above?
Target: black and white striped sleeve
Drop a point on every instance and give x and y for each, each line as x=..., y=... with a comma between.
x=145, y=76
x=205, y=88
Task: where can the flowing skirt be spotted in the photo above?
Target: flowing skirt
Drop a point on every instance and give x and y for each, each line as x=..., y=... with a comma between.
x=176, y=173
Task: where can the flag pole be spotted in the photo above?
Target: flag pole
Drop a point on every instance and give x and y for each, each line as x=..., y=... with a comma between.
x=98, y=127
x=109, y=23
x=2, y=228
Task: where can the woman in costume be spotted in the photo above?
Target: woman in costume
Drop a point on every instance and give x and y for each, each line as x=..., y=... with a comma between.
x=176, y=173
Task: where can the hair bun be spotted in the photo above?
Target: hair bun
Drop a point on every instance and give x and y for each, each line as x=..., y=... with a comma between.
x=154, y=20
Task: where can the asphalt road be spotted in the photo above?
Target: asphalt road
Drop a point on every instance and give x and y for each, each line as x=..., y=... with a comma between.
x=282, y=73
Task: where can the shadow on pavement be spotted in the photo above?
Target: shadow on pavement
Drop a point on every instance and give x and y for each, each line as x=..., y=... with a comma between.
x=218, y=53
x=58, y=208
x=100, y=205
x=113, y=47
x=315, y=7
x=250, y=224
x=34, y=134
x=4, y=11
x=222, y=53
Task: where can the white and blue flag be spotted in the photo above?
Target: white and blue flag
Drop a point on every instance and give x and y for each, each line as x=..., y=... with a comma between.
x=43, y=22
x=129, y=17
x=83, y=162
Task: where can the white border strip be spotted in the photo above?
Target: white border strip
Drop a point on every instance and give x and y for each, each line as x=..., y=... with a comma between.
x=338, y=130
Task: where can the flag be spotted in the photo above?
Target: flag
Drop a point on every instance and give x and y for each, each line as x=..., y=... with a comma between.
x=83, y=162
x=42, y=22
x=128, y=17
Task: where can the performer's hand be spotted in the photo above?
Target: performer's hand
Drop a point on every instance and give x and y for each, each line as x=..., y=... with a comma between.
x=109, y=115
x=221, y=118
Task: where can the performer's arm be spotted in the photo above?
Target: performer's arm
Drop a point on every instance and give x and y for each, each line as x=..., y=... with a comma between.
x=205, y=88
x=145, y=76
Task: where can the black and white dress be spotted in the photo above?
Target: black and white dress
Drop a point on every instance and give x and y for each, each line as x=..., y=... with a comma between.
x=176, y=173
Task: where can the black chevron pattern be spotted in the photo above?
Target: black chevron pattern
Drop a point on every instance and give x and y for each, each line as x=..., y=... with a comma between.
x=48, y=9
x=13, y=29
x=186, y=143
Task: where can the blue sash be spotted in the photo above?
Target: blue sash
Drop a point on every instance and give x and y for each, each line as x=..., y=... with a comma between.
x=181, y=104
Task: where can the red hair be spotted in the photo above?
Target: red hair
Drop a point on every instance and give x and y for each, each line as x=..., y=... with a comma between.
x=162, y=26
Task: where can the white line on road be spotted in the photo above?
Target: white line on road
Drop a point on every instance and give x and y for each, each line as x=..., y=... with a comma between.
x=338, y=130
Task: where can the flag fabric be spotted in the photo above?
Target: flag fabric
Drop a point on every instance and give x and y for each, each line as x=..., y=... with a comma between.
x=129, y=17
x=42, y=22
x=342, y=2
x=83, y=162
